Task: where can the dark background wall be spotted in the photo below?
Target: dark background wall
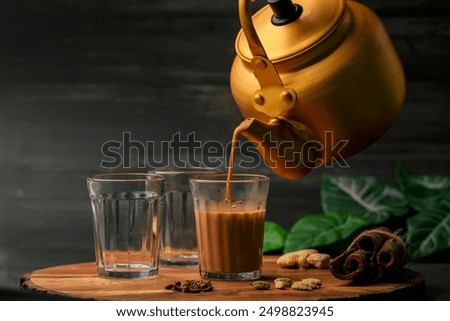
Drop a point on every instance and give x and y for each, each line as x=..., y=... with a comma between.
x=75, y=74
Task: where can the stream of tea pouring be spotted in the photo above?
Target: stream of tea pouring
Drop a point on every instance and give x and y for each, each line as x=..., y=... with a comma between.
x=287, y=148
x=237, y=132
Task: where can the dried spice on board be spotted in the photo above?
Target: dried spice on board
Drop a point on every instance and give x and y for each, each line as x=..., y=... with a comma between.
x=373, y=255
x=191, y=286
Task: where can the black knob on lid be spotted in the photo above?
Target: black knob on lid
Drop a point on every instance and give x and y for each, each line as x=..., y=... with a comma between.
x=284, y=11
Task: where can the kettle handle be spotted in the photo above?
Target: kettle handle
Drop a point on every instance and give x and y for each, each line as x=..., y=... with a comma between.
x=263, y=68
x=245, y=18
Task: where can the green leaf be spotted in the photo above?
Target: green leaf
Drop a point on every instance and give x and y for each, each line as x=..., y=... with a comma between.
x=370, y=197
x=318, y=230
x=423, y=192
x=429, y=231
x=274, y=236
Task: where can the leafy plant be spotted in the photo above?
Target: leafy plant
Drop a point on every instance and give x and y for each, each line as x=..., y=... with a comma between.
x=351, y=203
x=429, y=231
x=423, y=192
x=320, y=230
x=274, y=236
x=369, y=197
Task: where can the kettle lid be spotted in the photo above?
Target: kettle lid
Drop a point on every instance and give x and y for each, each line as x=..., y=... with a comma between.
x=315, y=24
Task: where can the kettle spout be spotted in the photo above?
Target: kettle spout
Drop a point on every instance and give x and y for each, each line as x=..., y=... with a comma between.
x=287, y=147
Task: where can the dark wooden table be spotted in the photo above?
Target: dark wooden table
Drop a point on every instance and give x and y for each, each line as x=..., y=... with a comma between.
x=77, y=74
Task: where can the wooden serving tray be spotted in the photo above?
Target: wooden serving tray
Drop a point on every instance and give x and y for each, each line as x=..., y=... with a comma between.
x=80, y=281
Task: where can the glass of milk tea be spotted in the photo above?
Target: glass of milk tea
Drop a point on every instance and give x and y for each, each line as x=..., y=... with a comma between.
x=229, y=215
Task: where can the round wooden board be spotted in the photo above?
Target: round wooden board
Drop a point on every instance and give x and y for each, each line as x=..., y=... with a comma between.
x=80, y=281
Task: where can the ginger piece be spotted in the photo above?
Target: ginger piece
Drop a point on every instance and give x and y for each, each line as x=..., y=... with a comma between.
x=319, y=260
x=302, y=260
x=295, y=259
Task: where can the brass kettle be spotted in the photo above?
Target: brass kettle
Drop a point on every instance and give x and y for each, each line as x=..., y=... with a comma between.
x=316, y=80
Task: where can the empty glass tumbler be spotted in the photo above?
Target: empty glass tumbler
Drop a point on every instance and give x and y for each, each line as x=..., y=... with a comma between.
x=127, y=210
x=179, y=241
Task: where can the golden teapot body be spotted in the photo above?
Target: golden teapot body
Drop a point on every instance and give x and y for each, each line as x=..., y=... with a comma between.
x=343, y=82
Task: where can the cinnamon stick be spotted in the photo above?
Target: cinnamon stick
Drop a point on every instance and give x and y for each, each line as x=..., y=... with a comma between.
x=372, y=255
